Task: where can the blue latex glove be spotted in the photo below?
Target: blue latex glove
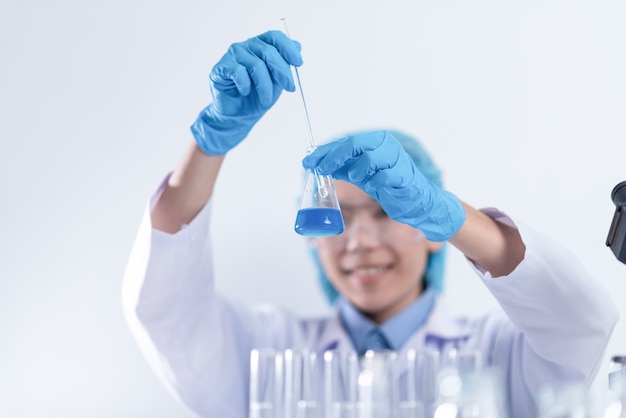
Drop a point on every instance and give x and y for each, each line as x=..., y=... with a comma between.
x=379, y=165
x=245, y=84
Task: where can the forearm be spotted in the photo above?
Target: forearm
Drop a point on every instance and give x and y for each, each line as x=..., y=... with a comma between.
x=181, y=323
x=189, y=188
x=564, y=313
x=492, y=245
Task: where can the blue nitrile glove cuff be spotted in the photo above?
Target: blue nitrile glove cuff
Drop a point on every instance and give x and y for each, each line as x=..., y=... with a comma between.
x=216, y=134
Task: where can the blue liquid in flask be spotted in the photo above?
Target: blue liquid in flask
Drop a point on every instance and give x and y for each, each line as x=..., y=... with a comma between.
x=319, y=222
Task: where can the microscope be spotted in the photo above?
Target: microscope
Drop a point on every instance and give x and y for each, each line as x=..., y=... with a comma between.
x=616, y=240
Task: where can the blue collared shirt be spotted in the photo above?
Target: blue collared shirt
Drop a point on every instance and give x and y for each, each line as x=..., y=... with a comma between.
x=396, y=331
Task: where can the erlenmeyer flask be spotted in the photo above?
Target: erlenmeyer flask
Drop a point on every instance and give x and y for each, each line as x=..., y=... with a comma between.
x=319, y=214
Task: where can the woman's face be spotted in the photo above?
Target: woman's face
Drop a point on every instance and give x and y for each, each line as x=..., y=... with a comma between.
x=376, y=263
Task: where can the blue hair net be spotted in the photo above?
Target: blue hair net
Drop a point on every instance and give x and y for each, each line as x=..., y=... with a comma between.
x=433, y=276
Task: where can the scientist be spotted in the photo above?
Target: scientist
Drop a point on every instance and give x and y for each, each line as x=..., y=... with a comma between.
x=383, y=274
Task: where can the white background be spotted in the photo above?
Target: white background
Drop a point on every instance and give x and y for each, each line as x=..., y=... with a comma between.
x=521, y=103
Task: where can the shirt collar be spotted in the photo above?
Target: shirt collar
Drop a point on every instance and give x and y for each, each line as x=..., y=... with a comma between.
x=397, y=330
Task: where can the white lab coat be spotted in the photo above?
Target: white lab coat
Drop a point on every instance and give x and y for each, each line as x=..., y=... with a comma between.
x=554, y=325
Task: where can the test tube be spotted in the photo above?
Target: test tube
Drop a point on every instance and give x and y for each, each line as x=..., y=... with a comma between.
x=340, y=383
x=410, y=406
x=264, y=385
x=365, y=393
x=427, y=372
x=301, y=384
x=427, y=366
x=382, y=393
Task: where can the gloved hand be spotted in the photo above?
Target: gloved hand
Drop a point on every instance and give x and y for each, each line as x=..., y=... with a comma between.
x=245, y=83
x=379, y=165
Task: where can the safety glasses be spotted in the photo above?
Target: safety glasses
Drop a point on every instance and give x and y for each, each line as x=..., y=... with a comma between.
x=366, y=225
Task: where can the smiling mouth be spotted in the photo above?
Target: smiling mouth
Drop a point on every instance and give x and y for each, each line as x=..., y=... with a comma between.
x=367, y=271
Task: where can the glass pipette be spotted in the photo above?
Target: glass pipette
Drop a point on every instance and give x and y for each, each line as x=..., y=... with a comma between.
x=319, y=214
x=323, y=191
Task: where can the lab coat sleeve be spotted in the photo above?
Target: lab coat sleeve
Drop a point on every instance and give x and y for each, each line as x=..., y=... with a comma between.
x=562, y=319
x=197, y=341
